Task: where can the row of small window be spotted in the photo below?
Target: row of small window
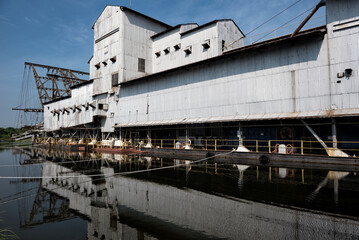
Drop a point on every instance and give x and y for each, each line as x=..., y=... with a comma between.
x=187, y=50
x=101, y=106
x=98, y=65
x=141, y=68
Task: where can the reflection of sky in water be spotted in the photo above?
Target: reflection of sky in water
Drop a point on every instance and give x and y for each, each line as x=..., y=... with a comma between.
x=186, y=200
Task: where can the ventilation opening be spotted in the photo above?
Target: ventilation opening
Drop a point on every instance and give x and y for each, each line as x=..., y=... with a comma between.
x=223, y=44
x=177, y=47
x=114, y=79
x=188, y=50
x=141, y=65
x=113, y=59
x=206, y=44
x=99, y=193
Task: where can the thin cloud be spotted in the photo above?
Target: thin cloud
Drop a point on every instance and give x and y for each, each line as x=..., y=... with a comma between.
x=73, y=34
x=5, y=20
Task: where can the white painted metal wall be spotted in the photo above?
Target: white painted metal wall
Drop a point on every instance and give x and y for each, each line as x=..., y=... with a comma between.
x=124, y=35
x=105, y=49
x=343, y=47
x=81, y=98
x=215, y=33
x=293, y=80
x=138, y=44
x=284, y=79
x=290, y=81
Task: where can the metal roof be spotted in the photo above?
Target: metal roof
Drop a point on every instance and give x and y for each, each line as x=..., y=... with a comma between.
x=210, y=23
x=247, y=117
x=170, y=29
x=123, y=8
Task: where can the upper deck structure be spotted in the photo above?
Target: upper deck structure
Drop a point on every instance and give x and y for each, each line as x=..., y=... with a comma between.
x=146, y=73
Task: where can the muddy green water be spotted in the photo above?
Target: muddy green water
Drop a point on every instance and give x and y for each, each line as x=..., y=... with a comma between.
x=107, y=196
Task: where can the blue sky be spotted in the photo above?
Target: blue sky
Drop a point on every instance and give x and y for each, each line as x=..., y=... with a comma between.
x=59, y=33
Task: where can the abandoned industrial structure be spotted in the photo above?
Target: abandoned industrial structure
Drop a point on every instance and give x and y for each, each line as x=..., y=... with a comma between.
x=155, y=81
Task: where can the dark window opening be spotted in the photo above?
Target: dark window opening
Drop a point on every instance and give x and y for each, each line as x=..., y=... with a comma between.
x=167, y=50
x=223, y=44
x=188, y=50
x=141, y=65
x=100, y=106
x=97, y=66
x=113, y=221
x=113, y=59
x=114, y=79
x=206, y=44
x=158, y=54
x=177, y=47
x=104, y=63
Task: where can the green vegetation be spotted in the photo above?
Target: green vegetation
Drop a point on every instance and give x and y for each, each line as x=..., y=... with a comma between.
x=6, y=133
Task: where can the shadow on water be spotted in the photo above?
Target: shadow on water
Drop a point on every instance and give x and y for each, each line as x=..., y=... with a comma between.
x=126, y=196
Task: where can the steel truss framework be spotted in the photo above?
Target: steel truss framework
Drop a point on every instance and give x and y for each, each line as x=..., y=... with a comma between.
x=56, y=83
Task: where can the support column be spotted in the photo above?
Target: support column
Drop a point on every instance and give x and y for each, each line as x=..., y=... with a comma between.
x=148, y=144
x=334, y=134
x=186, y=134
x=148, y=135
x=241, y=147
x=239, y=134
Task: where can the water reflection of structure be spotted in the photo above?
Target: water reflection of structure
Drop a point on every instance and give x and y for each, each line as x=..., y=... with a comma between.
x=241, y=169
x=335, y=176
x=46, y=207
x=147, y=205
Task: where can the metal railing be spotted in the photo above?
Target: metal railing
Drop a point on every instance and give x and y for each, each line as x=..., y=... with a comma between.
x=302, y=146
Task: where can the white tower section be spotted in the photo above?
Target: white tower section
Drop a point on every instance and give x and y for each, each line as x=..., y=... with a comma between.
x=122, y=47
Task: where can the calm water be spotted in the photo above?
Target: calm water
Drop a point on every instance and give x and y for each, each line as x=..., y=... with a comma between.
x=93, y=196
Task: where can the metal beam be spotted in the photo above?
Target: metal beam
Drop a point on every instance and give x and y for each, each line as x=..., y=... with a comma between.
x=315, y=135
x=59, y=77
x=319, y=5
x=56, y=83
x=52, y=67
x=28, y=109
x=334, y=151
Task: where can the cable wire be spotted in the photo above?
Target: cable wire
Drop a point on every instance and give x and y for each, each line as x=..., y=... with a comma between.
x=105, y=176
x=284, y=24
x=270, y=19
x=37, y=164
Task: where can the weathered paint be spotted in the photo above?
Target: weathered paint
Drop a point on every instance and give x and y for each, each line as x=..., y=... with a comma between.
x=78, y=110
x=288, y=81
